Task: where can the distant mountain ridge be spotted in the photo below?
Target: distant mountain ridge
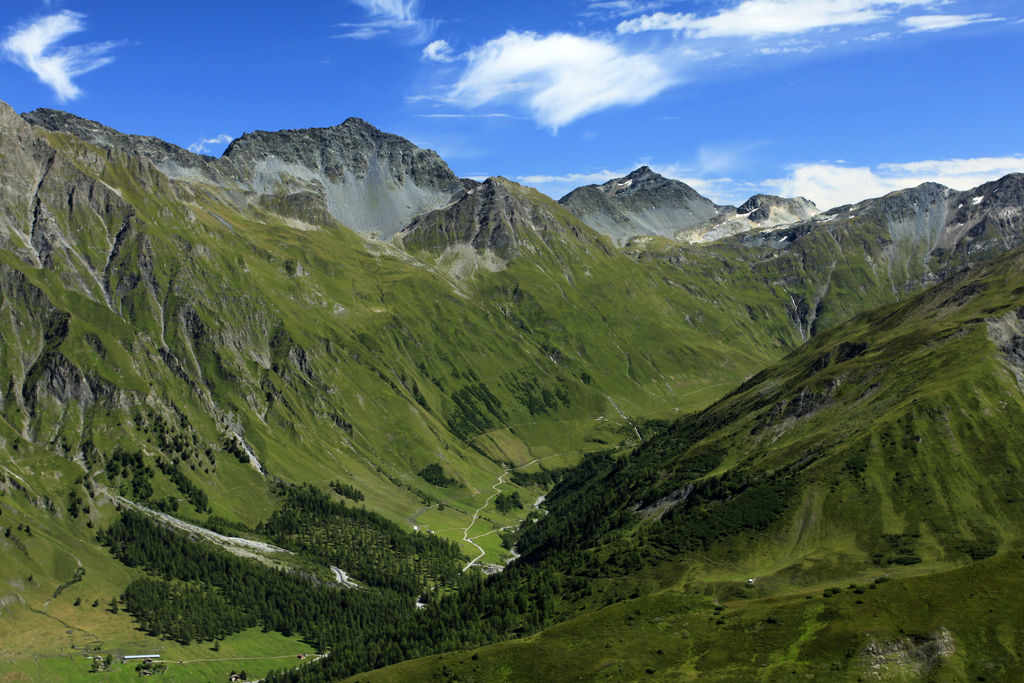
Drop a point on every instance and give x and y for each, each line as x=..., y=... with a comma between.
x=943, y=229
x=372, y=182
x=645, y=203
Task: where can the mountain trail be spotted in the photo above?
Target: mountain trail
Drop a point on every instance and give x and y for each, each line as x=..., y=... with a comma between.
x=476, y=515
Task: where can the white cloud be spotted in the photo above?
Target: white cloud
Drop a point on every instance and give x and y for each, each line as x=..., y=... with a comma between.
x=623, y=8
x=761, y=18
x=576, y=179
x=560, y=77
x=439, y=51
x=556, y=186
x=466, y=116
x=33, y=46
x=791, y=49
x=203, y=145
x=363, y=32
x=388, y=16
x=399, y=10
x=943, y=22
x=829, y=185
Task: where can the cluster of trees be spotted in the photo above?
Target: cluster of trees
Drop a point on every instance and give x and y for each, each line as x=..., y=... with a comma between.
x=347, y=491
x=231, y=446
x=542, y=477
x=434, y=474
x=131, y=465
x=474, y=410
x=723, y=507
x=174, y=437
x=76, y=504
x=195, y=590
x=193, y=493
x=538, y=399
x=184, y=611
x=506, y=502
x=288, y=602
x=371, y=548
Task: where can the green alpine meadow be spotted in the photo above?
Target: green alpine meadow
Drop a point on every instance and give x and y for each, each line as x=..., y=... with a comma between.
x=318, y=409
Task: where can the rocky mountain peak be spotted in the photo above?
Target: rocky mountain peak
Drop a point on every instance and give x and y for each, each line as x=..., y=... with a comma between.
x=497, y=217
x=641, y=203
x=371, y=181
x=773, y=210
x=644, y=172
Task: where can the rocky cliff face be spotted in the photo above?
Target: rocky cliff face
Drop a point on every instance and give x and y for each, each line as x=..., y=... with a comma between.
x=641, y=203
x=370, y=181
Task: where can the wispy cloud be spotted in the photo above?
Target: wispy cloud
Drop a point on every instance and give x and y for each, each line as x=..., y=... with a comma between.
x=34, y=47
x=439, y=51
x=575, y=179
x=622, y=8
x=944, y=22
x=467, y=116
x=560, y=77
x=204, y=145
x=387, y=17
x=760, y=18
x=832, y=184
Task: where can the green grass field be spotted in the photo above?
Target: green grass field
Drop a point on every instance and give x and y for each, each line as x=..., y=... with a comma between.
x=252, y=651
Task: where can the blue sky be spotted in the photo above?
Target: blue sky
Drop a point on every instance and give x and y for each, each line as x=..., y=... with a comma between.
x=836, y=100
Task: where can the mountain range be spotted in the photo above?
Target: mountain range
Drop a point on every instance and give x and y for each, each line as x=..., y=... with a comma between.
x=735, y=406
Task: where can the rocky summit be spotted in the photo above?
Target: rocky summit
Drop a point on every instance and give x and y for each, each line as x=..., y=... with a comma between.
x=641, y=203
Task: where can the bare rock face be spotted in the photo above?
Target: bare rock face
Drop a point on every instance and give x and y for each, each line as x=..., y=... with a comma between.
x=641, y=203
x=913, y=657
x=759, y=212
x=370, y=181
x=772, y=210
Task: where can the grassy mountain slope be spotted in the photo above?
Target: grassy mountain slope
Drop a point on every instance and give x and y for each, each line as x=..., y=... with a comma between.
x=852, y=511
x=230, y=344
x=197, y=346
